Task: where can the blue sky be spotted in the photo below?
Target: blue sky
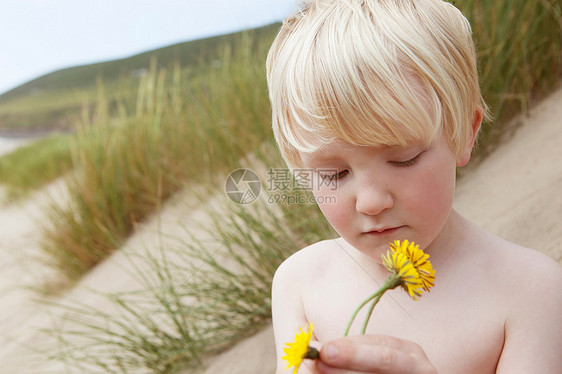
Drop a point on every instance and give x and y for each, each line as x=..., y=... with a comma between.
x=41, y=36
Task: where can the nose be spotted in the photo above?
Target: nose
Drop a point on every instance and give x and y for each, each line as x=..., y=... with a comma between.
x=373, y=198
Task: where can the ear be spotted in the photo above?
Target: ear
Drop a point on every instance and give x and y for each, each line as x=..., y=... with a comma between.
x=464, y=157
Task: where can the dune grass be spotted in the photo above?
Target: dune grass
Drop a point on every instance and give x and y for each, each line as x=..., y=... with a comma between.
x=126, y=163
x=519, y=53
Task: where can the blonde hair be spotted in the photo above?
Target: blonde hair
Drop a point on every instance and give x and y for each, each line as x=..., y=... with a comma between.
x=372, y=72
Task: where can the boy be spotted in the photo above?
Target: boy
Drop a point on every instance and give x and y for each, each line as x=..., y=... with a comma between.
x=381, y=99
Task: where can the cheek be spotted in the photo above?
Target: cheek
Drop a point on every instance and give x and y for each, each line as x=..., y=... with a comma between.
x=436, y=197
x=333, y=207
x=432, y=197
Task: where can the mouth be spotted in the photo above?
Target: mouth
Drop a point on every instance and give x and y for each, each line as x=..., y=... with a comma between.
x=382, y=231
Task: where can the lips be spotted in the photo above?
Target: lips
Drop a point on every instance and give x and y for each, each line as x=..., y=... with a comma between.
x=382, y=231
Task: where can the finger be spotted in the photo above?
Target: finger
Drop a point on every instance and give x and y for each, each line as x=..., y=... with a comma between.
x=322, y=368
x=354, y=355
x=360, y=357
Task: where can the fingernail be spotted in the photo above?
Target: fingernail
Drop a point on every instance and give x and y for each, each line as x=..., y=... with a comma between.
x=332, y=352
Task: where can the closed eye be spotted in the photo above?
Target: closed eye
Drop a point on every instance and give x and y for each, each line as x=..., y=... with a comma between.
x=407, y=163
x=333, y=176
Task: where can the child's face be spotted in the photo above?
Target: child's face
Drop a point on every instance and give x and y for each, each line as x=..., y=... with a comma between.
x=384, y=194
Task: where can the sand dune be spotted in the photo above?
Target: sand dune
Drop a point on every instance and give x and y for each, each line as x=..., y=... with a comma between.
x=514, y=193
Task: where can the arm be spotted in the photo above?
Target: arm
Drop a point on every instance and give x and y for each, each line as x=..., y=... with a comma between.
x=533, y=331
x=287, y=308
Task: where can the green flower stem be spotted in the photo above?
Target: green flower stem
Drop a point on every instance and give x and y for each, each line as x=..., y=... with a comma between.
x=370, y=312
x=379, y=291
x=391, y=282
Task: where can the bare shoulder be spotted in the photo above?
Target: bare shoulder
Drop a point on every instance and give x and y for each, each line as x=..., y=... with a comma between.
x=509, y=264
x=307, y=262
x=527, y=266
x=533, y=279
x=301, y=269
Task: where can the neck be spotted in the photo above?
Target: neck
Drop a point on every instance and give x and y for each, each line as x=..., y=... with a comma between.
x=446, y=243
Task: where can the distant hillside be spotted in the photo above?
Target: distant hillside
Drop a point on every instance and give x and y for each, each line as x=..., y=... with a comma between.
x=46, y=102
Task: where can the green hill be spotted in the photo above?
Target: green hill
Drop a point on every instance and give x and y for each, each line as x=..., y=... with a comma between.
x=54, y=101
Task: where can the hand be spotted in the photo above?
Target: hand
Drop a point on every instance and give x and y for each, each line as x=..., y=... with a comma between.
x=373, y=354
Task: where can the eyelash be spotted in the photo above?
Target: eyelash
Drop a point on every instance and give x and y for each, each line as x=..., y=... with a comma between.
x=406, y=163
x=343, y=173
x=335, y=176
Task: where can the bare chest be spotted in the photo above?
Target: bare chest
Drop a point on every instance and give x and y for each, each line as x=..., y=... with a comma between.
x=460, y=330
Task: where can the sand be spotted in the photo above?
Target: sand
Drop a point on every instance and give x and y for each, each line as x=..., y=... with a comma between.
x=514, y=193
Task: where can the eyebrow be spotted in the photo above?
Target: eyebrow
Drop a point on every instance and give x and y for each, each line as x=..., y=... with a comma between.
x=318, y=156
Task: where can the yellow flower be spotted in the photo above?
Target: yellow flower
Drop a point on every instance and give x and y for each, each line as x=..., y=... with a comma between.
x=419, y=259
x=406, y=274
x=297, y=351
x=410, y=268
